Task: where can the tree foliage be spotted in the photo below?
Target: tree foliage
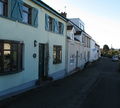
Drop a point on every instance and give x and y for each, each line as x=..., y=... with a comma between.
x=106, y=48
x=107, y=52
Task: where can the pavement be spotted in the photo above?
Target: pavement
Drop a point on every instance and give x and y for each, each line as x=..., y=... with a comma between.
x=97, y=86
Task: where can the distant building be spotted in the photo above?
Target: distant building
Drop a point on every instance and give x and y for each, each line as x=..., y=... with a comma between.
x=78, y=22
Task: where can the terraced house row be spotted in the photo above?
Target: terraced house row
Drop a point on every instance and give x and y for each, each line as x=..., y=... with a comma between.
x=38, y=43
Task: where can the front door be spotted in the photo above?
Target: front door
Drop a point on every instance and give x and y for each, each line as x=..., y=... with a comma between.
x=41, y=61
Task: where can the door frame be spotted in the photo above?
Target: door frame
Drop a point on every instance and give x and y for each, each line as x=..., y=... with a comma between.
x=44, y=74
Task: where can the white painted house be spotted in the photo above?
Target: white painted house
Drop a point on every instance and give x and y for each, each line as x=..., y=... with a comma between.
x=37, y=43
x=93, y=51
x=98, y=54
x=84, y=40
x=32, y=44
x=73, y=48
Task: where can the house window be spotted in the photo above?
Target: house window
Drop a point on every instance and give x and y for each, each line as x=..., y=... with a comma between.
x=50, y=22
x=11, y=57
x=60, y=27
x=27, y=14
x=53, y=25
x=57, y=54
x=3, y=7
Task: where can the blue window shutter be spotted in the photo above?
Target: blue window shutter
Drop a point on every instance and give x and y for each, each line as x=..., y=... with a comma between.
x=20, y=10
x=12, y=9
x=46, y=22
x=35, y=17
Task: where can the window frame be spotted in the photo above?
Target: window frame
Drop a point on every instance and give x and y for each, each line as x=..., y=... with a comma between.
x=50, y=23
x=29, y=13
x=59, y=27
x=5, y=8
x=58, y=58
x=19, y=66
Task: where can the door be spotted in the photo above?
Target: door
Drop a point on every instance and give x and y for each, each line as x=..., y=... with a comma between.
x=41, y=61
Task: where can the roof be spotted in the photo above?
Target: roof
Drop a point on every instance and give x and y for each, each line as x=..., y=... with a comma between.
x=77, y=19
x=97, y=44
x=48, y=8
x=76, y=27
x=70, y=27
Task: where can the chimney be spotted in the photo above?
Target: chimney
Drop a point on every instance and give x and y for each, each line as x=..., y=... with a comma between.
x=64, y=14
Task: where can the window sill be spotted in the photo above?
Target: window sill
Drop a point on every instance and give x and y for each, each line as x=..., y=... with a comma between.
x=10, y=73
x=55, y=63
x=6, y=17
x=54, y=32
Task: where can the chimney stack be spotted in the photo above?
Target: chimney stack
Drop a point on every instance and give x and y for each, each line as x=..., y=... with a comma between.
x=64, y=14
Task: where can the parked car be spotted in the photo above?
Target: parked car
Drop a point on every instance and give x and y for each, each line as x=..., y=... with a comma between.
x=115, y=58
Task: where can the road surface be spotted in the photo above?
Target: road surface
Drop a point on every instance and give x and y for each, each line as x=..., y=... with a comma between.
x=98, y=86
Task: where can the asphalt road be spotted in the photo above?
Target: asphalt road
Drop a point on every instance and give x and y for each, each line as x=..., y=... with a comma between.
x=98, y=86
x=106, y=93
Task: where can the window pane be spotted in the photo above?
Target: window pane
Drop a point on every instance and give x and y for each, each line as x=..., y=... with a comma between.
x=26, y=9
x=7, y=60
x=60, y=54
x=1, y=46
x=25, y=17
x=7, y=46
x=50, y=24
x=60, y=27
x=1, y=8
x=14, y=47
x=14, y=61
x=11, y=54
x=26, y=13
x=20, y=56
x=57, y=54
x=54, y=54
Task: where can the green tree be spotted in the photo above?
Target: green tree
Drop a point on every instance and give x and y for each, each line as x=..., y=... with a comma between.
x=106, y=48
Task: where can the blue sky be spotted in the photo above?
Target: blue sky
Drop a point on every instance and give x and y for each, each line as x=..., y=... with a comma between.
x=101, y=17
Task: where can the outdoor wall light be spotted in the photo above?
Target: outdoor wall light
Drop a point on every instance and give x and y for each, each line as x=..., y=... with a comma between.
x=35, y=43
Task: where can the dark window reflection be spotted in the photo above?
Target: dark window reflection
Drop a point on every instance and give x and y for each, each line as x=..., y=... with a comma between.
x=10, y=56
x=26, y=14
x=7, y=57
